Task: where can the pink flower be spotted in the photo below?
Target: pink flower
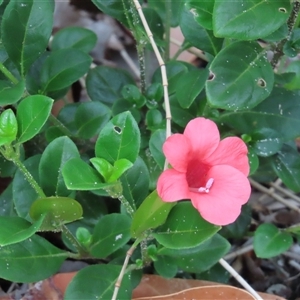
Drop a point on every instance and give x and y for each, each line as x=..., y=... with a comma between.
x=210, y=172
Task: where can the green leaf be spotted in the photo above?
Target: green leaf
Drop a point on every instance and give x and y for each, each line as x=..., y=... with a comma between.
x=152, y=213
x=197, y=36
x=184, y=228
x=202, y=12
x=165, y=267
x=105, y=84
x=31, y=21
x=111, y=233
x=74, y=37
x=266, y=142
x=8, y=127
x=120, y=138
x=62, y=68
x=120, y=166
x=90, y=118
x=135, y=183
x=56, y=154
x=16, y=229
x=11, y=93
x=247, y=20
x=279, y=113
x=23, y=193
x=32, y=114
x=160, y=7
x=199, y=258
x=269, y=241
x=253, y=160
x=103, y=167
x=6, y=202
x=190, y=86
x=31, y=260
x=98, y=280
x=58, y=211
x=155, y=145
x=113, y=8
x=78, y=175
x=174, y=69
x=241, y=77
x=286, y=164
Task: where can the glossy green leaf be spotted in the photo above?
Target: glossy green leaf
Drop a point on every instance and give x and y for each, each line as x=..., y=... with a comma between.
x=31, y=260
x=241, y=77
x=286, y=164
x=279, y=113
x=78, y=175
x=98, y=280
x=105, y=84
x=199, y=258
x=253, y=160
x=90, y=118
x=154, y=119
x=120, y=138
x=23, y=193
x=32, y=114
x=152, y=213
x=155, y=145
x=269, y=241
x=190, y=86
x=31, y=21
x=103, y=167
x=135, y=183
x=11, y=93
x=6, y=202
x=202, y=12
x=198, y=36
x=266, y=142
x=74, y=37
x=120, y=167
x=247, y=20
x=62, y=68
x=110, y=233
x=83, y=236
x=16, y=229
x=184, y=228
x=58, y=211
x=56, y=154
x=8, y=127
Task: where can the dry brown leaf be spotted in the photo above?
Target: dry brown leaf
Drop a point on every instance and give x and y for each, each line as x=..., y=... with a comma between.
x=156, y=287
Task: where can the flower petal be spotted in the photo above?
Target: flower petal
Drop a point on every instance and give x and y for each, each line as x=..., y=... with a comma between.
x=231, y=151
x=230, y=190
x=203, y=135
x=177, y=149
x=172, y=186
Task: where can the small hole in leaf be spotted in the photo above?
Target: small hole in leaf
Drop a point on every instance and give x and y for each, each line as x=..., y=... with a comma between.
x=261, y=82
x=117, y=129
x=211, y=76
x=282, y=9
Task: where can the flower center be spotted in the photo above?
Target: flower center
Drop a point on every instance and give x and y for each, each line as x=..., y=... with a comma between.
x=205, y=189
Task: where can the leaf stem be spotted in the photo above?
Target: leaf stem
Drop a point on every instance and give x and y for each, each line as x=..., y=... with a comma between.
x=69, y=235
x=60, y=125
x=8, y=74
x=123, y=270
x=278, y=52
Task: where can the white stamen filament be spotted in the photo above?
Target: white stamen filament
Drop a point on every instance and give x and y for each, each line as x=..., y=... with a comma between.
x=208, y=185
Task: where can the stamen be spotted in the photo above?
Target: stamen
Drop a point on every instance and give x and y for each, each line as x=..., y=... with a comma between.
x=208, y=185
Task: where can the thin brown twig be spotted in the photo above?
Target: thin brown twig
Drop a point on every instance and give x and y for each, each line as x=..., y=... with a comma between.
x=285, y=192
x=274, y=195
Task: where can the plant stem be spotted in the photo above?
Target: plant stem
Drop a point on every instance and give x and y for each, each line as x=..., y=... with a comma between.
x=116, y=191
x=123, y=270
x=167, y=22
x=8, y=74
x=278, y=52
x=13, y=155
x=141, y=56
x=60, y=125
